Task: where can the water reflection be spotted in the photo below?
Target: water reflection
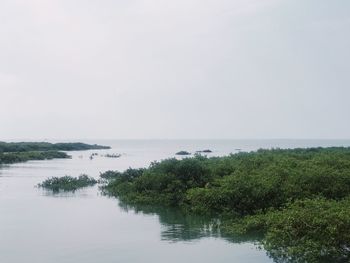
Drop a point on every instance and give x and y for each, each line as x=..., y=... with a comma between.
x=179, y=225
x=85, y=192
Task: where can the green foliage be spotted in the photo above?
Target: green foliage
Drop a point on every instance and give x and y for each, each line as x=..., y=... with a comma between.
x=246, y=183
x=261, y=192
x=311, y=230
x=126, y=176
x=240, y=193
x=8, y=158
x=163, y=182
x=45, y=146
x=109, y=175
x=67, y=183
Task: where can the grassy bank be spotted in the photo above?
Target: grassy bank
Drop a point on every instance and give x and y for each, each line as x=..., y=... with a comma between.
x=297, y=199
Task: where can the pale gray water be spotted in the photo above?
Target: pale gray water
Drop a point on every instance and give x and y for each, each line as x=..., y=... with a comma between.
x=37, y=226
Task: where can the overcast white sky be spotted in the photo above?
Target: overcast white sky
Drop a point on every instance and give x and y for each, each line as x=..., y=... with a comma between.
x=174, y=69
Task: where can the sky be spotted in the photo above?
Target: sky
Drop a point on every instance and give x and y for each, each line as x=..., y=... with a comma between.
x=161, y=69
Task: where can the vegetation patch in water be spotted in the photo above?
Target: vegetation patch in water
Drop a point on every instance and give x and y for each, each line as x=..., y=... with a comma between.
x=113, y=155
x=67, y=183
x=297, y=199
x=183, y=153
x=205, y=151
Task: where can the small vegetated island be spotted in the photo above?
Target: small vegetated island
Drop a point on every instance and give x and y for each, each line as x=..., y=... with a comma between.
x=297, y=200
x=67, y=183
x=15, y=152
x=183, y=153
x=204, y=151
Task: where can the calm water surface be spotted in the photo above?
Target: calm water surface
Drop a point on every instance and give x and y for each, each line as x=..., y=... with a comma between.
x=37, y=226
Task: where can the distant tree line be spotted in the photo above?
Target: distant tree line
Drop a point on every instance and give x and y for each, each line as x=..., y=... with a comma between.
x=12, y=157
x=15, y=152
x=46, y=146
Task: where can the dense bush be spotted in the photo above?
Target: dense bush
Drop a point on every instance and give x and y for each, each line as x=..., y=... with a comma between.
x=261, y=191
x=128, y=175
x=311, y=230
x=67, y=183
x=163, y=182
x=243, y=183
